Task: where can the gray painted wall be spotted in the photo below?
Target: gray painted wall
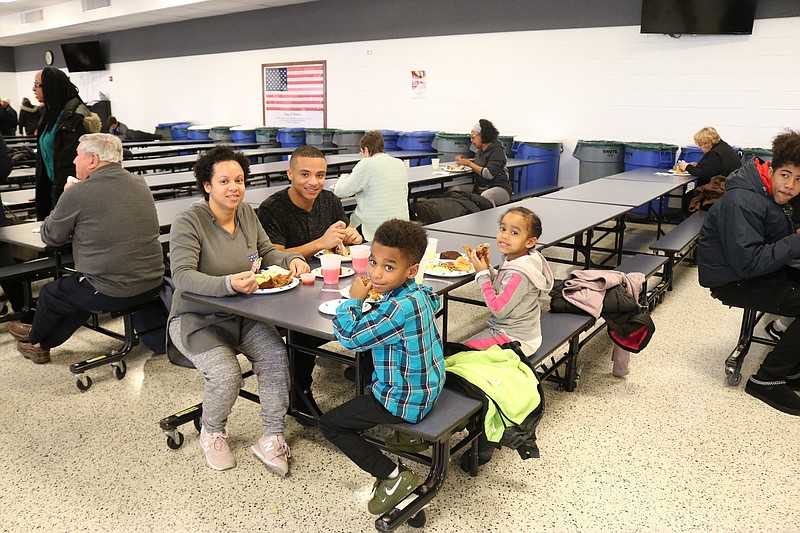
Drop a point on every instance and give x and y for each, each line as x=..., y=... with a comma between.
x=332, y=21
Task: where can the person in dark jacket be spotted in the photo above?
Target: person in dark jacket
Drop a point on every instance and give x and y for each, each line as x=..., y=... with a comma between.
x=59, y=129
x=719, y=158
x=8, y=118
x=29, y=116
x=489, y=166
x=744, y=252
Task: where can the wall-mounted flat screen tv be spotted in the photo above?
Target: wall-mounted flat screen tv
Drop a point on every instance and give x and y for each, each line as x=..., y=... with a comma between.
x=698, y=16
x=83, y=57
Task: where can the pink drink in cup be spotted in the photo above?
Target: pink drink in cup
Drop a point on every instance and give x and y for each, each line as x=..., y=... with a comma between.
x=360, y=255
x=331, y=268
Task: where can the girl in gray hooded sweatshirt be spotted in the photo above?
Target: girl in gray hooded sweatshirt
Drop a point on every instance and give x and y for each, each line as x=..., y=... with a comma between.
x=512, y=291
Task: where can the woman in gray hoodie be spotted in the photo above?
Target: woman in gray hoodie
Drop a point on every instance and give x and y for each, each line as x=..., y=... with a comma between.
x=213, y=247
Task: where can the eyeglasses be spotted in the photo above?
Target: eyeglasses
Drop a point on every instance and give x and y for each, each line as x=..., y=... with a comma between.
x=36, y=85
x=472, y=137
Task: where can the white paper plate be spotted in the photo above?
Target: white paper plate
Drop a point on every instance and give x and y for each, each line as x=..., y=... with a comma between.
x=295, y=282
x=456, y=169
x=329, y=307
x=448, y=274
x=346, y=293
x=346, y=272
x=345, y=258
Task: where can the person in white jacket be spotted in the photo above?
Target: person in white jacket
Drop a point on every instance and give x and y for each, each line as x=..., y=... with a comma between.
x=379, y=183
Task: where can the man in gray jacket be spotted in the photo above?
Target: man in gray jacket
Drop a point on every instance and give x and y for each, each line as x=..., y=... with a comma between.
x=109, y=216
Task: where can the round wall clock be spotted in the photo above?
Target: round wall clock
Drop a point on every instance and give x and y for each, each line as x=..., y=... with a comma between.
x=48, y=57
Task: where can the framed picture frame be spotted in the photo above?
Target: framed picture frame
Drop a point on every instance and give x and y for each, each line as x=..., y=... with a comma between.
x=294, y=94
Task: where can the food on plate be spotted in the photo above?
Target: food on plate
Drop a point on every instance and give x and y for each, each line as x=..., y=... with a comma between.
x=482, y=250
x=456, y=168
x=450, y=254
x=340, y=249
x=269, y=279
x=462, y=264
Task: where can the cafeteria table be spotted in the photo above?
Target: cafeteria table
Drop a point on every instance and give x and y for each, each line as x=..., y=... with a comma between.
x=617, y=191
x=561, y=220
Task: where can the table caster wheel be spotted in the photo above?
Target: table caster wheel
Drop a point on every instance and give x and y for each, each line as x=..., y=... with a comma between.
x=119, y=369
x=418, y=520
x=83, y=383
x=175, y=442
x=734, y=377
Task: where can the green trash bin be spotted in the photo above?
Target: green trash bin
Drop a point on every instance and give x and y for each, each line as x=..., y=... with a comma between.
x=508, y=142
x=321, y=137
x=763, y=154
x=450, y=145
x=347, y=141
x=599, y=159
x=220, y=134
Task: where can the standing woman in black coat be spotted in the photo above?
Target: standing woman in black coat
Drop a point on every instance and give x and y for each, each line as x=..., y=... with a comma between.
x=29, y=116
x=60, y=127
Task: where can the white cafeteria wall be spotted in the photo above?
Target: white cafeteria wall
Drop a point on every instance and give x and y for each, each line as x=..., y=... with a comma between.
x=596, y=83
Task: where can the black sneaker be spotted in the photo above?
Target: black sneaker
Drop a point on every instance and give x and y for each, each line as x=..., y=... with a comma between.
x=772, y=332
x=774, y=393
x=793, y=383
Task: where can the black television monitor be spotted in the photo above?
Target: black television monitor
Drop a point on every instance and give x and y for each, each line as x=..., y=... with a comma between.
x=698, y=16
x=83, y=57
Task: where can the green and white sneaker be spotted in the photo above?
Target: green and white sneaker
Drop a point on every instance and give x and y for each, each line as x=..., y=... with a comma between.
x=403, y=442
x=389, y=492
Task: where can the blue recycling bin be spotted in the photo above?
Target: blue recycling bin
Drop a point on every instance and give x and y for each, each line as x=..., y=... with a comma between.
x=417, y=141
x=291, y=138
x=542, y=174
x=390, y=138
x=650, y=155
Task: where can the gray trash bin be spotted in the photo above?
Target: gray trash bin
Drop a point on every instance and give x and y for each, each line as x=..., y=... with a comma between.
x=599, y=159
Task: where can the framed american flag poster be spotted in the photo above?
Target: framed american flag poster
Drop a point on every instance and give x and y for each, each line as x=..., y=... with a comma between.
x=294, y=94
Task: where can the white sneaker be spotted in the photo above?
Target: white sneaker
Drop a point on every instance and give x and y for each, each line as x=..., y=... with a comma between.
x=273, y=452
x=215, y=447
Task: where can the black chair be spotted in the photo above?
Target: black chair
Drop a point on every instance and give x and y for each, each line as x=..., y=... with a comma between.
x=733, y=364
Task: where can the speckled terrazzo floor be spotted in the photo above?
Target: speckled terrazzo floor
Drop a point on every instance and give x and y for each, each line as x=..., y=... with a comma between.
x=669, y=448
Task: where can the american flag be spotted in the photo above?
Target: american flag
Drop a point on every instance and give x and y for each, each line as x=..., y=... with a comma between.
x=297, y=88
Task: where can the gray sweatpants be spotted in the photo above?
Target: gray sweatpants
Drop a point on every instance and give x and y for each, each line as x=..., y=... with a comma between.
x=264, y=348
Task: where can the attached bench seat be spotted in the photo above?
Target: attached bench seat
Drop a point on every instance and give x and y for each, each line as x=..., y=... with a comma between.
x=451, y=412
x=679, y=243
x=130, y=339
x=648, y=265
x=27, y=272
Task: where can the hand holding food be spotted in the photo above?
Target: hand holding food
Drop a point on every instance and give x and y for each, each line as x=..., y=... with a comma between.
x=479, y=256
x=351, y=236
x=360, y=288
x=333, y=236
x=244, y=282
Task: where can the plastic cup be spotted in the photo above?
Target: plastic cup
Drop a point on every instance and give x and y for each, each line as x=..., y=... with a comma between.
x=435, y=163
x=331, y=268
x=360, y=255
x=408, y=163
x=307, y=278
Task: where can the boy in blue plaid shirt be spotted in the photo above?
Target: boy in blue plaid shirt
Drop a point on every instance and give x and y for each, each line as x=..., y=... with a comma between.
x=407, y=357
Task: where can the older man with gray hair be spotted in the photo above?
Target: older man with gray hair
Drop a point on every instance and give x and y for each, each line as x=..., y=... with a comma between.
x=109, y=216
